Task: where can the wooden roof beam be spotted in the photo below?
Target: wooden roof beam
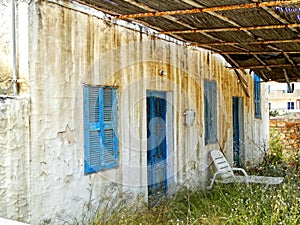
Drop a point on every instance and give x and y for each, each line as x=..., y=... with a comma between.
x=233, y=62
x=287, y=80
x=285, y=55
x=145, y=7
x=240, y=79
x=176, y=20
x=263, y=67
x=256, y=53
x=216, y=50
x=263, y=75
x=210, y=9
x=249, y=43
x=278, y=17
x=225, y=29
x=230, y=21
x=289, y=59
x=262, y=62
x=217, y=15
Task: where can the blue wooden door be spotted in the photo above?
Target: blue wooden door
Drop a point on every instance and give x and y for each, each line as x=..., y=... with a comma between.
x=156, y=145
x=238, y=130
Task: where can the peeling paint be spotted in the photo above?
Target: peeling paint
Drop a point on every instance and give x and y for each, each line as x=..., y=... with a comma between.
x=15, y=157
x=68, y=135
x=67, y=49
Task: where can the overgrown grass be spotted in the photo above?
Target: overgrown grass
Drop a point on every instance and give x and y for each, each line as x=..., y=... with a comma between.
x=225, y=204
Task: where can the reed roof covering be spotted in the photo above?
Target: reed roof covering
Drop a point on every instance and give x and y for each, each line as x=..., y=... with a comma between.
x=263, y=36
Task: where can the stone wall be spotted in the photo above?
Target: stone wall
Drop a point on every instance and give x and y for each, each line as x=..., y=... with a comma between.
x=288, y=130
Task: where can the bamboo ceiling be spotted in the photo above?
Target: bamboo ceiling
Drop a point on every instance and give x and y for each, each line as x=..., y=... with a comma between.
x=250, y=34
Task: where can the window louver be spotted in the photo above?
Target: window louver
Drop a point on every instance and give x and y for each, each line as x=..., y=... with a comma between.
x=101, y=127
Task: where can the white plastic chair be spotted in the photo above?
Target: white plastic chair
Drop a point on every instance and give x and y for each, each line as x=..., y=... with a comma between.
x=225, y=173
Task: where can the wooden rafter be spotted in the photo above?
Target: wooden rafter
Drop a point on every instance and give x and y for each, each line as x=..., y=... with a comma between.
x=250, y=43
x=233, y=62
x=173, y=19
x=224, y=29
x=213, y=11
x=263, y=75
x=217, y=15
x=214, y=14
x=285, y=55
x=219, y=41
x=210, y=9
x=284, y=21
x=145, y=7
x=240, y=78
x=262, y=62
x=289, y=59
x=263, y=67
x=287, y=80
x=232, y=22
x=279, y=18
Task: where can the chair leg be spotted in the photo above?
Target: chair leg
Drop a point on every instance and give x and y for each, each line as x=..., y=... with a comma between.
x=211, y=184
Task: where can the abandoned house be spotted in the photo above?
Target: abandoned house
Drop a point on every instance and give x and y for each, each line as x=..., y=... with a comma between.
x=106, y=100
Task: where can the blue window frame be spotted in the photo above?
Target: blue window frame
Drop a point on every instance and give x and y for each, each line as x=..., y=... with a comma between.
x=100, y=128
x=257, y=97
x=210, y=104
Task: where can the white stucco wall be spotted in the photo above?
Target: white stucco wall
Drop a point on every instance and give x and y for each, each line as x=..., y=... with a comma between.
x=257, y=130
x=68, y=48
x=15, y=157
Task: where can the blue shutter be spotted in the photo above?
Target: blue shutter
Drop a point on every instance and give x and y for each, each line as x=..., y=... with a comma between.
x=214, y=112
x=207, y=111
x=100, y=128
x=257, y=96
x=92, y=150
x=109, y=122
x=210, y=97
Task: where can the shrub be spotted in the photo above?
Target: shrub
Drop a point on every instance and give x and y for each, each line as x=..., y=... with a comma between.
x=273, y=113
x=275, y=148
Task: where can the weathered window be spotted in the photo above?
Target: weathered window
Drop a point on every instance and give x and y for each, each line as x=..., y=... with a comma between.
x=257, y=97
x=290, y=105
x=100, y=128
x=210, y=105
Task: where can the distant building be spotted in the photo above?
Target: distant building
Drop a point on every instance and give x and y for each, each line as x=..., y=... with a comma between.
x=282, y=98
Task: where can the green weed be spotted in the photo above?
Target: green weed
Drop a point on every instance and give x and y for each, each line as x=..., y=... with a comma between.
x=230, y=204
x=225, y=204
